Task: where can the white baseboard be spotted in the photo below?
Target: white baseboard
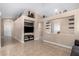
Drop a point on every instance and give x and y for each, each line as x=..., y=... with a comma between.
x=19, y=40
x=36, y=38
x=58, y=44
x=0, y=47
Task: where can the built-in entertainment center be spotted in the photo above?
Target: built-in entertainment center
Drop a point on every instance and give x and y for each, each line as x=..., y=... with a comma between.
x=28, y=30
x=26, y=27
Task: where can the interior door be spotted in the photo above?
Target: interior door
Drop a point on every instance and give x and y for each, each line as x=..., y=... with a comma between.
x=8, y=26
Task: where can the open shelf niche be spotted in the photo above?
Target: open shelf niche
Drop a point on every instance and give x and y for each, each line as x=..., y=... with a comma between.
x=71, y=23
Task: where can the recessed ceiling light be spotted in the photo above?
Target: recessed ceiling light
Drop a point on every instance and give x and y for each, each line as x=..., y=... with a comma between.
x=56, y=10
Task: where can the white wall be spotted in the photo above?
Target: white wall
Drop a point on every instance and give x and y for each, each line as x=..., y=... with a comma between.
x=18, y=30
x=66, y=37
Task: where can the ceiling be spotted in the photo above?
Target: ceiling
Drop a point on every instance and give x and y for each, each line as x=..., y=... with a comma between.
x=14, y=9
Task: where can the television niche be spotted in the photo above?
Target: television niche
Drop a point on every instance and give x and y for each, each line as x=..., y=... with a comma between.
x=28, y=29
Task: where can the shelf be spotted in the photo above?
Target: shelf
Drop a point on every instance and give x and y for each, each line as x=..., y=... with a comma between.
x=47, y=22
x=47, y=28
x=28, y=37
x=71, y=27
x=71, y=23
x=28, y=33
x=71, y=19
x=28, y=26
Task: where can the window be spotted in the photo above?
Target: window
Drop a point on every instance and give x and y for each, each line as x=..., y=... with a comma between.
x=56, y=26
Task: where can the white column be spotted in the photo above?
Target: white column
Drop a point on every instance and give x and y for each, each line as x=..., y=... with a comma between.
x=0, y=32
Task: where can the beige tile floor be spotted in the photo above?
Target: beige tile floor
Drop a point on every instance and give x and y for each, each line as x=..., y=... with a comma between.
x=12, y=47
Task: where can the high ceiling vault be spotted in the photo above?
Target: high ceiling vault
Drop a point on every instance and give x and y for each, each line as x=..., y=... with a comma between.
x=14, y=9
